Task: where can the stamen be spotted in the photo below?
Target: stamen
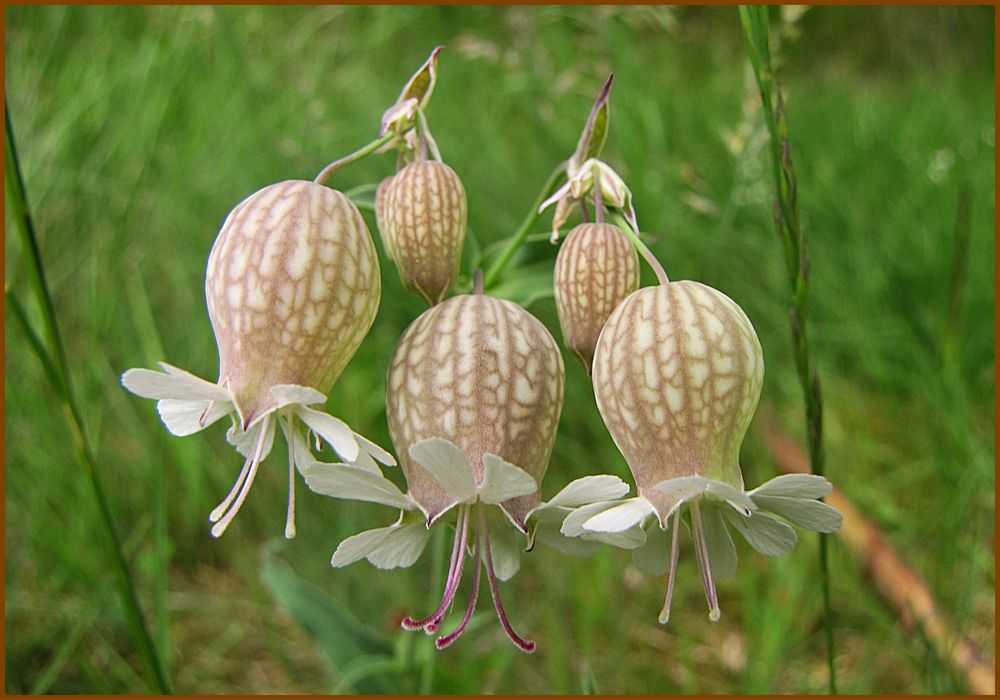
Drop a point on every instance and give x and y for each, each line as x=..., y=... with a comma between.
x=429, y=624
x=665, y=612
x=220, y=527
x=445, y=642
x=218, y=511
x=701, y=548
x=527, y=647
x=290, y=517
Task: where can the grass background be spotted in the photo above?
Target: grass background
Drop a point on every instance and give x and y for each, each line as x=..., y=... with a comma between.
x=138, y=130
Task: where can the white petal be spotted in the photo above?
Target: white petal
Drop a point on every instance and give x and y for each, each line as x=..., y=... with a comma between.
x=185, y=417
x=359, y=546
x=300, y=450
x=505, y=551
x=354, y=483
x=764, y=532
x=403, y=546
x=589, y=489
x=333, y=430
x=795, y=486
x=812, y=515
x=572, y=525
x=365, y=461
x=621, y=517
x=627, y=539
x=548, y=534
x=503, y=480
x=287, y=394
x=653, y=558
x=683, y=488
x=375, y=451
x=246, y=440
x=721, y=550
x=734, y=496
x=556, y=196
x=448, y=465
x=173, y=384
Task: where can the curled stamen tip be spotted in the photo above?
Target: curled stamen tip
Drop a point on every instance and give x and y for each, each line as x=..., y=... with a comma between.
x=664, y=617
x=214, y=516
x=444, y=642
x=408, y=623
x=218, y=529
x=290, y=531
x=527, y=647
x=714, y=614
x=431, y=628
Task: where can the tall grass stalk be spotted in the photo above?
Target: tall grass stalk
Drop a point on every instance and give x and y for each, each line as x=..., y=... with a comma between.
x=754, y=19
x=49, y=347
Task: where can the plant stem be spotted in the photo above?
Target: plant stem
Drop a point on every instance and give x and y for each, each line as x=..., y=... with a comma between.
x=786, y=215
x=498, y=266
x=368, y=149
x=54, y=359
x=644, y=251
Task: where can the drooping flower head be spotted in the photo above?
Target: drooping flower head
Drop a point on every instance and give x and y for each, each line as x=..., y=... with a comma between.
x=677, y=375
x=473, y=395
x=597, y=267
x=292, y=287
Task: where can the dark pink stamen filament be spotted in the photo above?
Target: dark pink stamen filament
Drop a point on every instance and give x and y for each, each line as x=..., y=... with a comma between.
x=446, y=641
x=527, y=647
x=431, y=622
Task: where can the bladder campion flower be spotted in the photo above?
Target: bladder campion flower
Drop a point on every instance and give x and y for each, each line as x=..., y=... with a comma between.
x=473, y=396
x=677, y=375
x=292, y=287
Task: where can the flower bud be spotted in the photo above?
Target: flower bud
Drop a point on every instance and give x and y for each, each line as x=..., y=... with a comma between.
x=382, y=217
x=596, y=268
x=425, y=216
x=293, y=287
x=487, y=376
x=677, y=375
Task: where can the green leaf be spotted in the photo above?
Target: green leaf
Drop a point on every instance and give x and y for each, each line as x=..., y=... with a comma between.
x=526, y=285
x=342, y=637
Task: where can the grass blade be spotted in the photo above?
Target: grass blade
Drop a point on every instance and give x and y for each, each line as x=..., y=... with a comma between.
x=754, y=19
x=58, y=367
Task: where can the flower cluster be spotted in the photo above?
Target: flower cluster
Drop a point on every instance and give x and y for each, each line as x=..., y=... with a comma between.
x=475, y=386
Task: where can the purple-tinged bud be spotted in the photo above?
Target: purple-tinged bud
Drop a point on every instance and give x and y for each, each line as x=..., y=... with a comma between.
x=425, y=215
x=596, y=269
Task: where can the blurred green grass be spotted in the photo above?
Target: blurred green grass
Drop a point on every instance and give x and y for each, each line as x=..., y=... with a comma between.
x=139, y=128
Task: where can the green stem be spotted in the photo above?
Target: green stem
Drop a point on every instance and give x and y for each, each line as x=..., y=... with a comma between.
x=498, y=266
x=647, y=254
x=54, y=359
x=368, y=149
x=755, y=32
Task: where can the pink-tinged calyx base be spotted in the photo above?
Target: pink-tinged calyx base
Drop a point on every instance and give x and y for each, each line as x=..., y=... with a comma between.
x=677, y=375
x=596, y=269
x=484, y=374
